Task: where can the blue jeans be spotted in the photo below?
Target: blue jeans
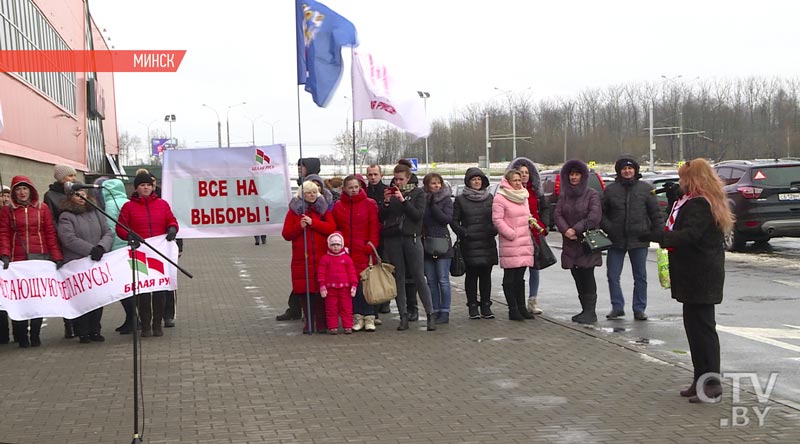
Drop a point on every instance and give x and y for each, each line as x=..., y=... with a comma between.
x=614, y=263
x=533, y=283
x=437, y=273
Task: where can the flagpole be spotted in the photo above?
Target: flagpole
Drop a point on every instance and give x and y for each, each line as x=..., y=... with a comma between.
x=352, y=108
x=309, y=316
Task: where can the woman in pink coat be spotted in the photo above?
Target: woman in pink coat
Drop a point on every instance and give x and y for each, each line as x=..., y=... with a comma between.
x=511, y=217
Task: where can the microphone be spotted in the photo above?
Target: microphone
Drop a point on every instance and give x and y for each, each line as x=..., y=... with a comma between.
x=70, y=187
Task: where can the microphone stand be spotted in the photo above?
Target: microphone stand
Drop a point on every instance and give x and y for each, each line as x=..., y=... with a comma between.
x=133, y=244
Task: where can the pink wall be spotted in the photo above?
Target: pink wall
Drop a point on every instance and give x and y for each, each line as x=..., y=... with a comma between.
x=37, y=128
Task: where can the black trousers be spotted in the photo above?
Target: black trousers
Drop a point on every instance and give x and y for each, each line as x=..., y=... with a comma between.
x=584, y=280
x=4, y=339
x=478, y=279
x=514, y=277
x=88, y=324
x=169, y=304
x=701, y=331
x=406, y=253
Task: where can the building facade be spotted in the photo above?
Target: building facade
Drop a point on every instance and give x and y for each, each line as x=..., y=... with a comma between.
x=54, y=117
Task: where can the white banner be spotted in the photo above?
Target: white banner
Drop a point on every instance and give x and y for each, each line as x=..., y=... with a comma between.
x=227, y=192
x=377, y=94
x=35, y=289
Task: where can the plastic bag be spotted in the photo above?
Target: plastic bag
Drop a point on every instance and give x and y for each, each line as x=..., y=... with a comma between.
x=662, y=259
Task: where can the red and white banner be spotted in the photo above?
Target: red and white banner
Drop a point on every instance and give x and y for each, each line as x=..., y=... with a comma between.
x=35, y=289
x=377, y=94
x=227, y=192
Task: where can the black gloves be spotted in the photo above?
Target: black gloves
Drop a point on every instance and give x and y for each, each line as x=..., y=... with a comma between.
x=656, y=236
x=134, y=239
x=171, y=233
x=59, y=264
x=5, y=260
x=97, y=253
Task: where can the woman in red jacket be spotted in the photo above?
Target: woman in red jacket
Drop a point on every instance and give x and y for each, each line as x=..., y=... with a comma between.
x=356, y=216
x=148, y=215
x=307, y=226
x=27, y=232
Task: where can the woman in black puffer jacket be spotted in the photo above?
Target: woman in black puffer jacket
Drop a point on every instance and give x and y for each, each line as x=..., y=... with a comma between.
x=472, y=222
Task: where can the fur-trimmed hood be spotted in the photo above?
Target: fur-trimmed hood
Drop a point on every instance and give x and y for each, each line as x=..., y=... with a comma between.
x=578, y=165
x=535, y=182
x=299, y=206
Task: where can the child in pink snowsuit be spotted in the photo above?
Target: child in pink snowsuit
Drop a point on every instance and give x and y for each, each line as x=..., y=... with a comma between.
x=337, y=285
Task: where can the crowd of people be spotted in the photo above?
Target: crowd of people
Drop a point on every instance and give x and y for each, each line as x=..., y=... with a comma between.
x=65, y=225
x=409, y=225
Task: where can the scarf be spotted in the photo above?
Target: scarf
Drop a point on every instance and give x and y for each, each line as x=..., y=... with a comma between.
x=516, y=196
x=676, y=207
x=475, y=195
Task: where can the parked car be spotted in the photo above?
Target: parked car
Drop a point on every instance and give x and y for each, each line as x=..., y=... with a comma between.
x=765, y=198
x=551, y=187
x=658, y=181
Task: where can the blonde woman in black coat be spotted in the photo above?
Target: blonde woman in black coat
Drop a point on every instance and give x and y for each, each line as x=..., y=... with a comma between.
x=694, y=237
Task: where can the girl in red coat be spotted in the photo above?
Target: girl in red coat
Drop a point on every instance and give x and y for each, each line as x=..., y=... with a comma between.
x=27, y=232
x=307, y=225
x=337, y=284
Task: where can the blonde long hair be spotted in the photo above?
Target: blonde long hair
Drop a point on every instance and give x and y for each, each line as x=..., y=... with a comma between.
x=698, y=179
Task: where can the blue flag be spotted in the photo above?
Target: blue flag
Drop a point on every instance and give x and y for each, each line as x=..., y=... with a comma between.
x=321, y=34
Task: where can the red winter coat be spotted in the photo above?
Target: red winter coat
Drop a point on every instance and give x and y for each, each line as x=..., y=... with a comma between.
x=147, y=216
x=27, y=228
x=357, y=219
x=322, y=225
x=337, y=271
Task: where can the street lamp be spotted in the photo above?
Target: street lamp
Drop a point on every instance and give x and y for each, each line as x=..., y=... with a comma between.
x=513, y=122
x=425, y=95
x=253, y=126
x=272, y=129
x=228, y=122
x=170, y=118
x=148, y=141
x=219, y=125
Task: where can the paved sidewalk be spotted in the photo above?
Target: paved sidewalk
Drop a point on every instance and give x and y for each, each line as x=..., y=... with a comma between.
x=229, y=373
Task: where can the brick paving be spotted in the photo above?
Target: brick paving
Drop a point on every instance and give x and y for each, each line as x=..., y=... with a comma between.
x=229, y=373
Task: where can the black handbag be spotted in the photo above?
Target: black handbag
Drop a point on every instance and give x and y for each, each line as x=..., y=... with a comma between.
x=457, y=266
x=595, y=241
x=543, y=256
x=436, y=246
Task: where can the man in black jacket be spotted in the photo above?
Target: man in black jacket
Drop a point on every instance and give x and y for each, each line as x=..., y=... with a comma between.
x=375, y=184
x=629, y=210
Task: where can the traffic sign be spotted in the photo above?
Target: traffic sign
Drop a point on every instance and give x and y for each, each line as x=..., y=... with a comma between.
x=414, y=164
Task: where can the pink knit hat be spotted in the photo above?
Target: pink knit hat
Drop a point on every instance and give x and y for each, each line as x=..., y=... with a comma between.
x=335, y=238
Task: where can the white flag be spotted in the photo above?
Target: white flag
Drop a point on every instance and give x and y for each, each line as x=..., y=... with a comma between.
x=1, y=117
x=378, y=95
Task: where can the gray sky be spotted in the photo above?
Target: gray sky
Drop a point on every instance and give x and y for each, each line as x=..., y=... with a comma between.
x=244, y=50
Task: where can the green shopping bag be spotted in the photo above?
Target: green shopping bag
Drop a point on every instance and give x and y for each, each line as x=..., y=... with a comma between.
x=662, y=259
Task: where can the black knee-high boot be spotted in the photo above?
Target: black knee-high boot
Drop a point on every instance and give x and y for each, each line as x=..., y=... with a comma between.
x=521, y=306
x=509, y=291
